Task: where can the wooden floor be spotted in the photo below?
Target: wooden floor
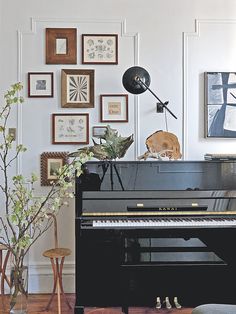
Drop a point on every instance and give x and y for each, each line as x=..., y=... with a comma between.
x=37, y=303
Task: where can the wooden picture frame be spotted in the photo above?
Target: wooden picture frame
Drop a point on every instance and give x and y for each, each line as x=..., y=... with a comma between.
x=220, y=104
x=70, y=128
x=61, y=45
x=50, y=162
x=114, y=108
x=40, y=84
x=99, y=49
x=77, y=88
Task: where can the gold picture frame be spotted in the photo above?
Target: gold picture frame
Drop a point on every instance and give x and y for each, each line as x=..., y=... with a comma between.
x=77, y=88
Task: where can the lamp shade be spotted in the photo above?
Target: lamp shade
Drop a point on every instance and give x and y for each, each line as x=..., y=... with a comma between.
x=132, y=77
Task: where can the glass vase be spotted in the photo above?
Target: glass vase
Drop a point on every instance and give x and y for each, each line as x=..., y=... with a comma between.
x=19, y=289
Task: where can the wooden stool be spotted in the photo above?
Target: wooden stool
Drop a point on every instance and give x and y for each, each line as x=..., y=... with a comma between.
x=55, y=255
x=3, y=265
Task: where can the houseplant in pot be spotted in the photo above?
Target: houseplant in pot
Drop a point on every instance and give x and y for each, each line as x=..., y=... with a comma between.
x=24, y=217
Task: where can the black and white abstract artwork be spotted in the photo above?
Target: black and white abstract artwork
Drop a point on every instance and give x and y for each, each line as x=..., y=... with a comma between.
x=78, y=89
x=41, y=85
x=220, y=105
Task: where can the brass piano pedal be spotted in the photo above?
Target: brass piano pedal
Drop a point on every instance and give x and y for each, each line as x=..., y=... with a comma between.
x=176, y=303
x=167, y=302
x=158, y=303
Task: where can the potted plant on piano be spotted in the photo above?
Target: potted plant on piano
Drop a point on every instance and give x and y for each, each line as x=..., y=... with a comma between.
x=24, y=217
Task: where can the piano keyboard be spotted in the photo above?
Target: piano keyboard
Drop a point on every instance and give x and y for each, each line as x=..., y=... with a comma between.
x=165, y=222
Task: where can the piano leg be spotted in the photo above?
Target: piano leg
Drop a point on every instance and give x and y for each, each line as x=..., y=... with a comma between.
x=125, y=309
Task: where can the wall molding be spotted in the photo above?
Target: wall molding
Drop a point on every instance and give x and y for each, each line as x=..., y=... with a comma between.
x=41, y=275
x=186, y=37
x=43, y=268
x=33, y=30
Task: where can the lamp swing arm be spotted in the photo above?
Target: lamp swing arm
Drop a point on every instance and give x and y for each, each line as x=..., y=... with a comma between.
x=140, y=82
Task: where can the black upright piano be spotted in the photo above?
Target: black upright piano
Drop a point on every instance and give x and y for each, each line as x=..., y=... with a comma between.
x=148, y=229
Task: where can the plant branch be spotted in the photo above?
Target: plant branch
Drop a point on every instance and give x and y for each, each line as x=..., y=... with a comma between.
x=49, y=223
x=5, y=230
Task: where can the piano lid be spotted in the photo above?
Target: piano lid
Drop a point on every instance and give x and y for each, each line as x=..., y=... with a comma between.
x=158, y=175
x=157, y=187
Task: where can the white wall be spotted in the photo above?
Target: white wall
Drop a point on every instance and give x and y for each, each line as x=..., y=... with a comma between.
x=163, y=36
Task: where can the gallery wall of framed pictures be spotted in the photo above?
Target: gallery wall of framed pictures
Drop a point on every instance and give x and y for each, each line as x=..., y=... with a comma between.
x=76, y=82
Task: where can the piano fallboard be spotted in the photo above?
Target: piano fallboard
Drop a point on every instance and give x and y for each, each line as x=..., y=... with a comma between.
x=186, y=202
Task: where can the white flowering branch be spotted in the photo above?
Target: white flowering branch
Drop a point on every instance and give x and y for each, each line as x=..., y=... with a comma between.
x=26, y=217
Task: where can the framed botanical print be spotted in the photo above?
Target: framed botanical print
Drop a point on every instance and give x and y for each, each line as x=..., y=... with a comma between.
x=61, y=45
x=114, y=108
x=220, y=104
x=50, y=163
x=40, y=84
x=70, y=128
x=77, y=88
x=100, y=49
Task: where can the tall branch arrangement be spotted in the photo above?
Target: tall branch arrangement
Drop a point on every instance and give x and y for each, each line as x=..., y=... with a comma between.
x=26, y=217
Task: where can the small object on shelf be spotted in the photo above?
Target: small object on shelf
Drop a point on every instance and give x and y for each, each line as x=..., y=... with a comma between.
x=209, y=156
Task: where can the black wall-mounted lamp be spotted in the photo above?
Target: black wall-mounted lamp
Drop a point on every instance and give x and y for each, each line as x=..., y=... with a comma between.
x=136, y=80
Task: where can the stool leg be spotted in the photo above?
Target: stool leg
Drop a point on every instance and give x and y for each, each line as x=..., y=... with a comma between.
x=4, y=277
x=58, y=288
x=61, y=286
x=54, y=284
x=1, y=266
x=57, y=276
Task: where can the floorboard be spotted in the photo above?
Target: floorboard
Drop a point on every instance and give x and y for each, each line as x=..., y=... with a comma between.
x=38, y=302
